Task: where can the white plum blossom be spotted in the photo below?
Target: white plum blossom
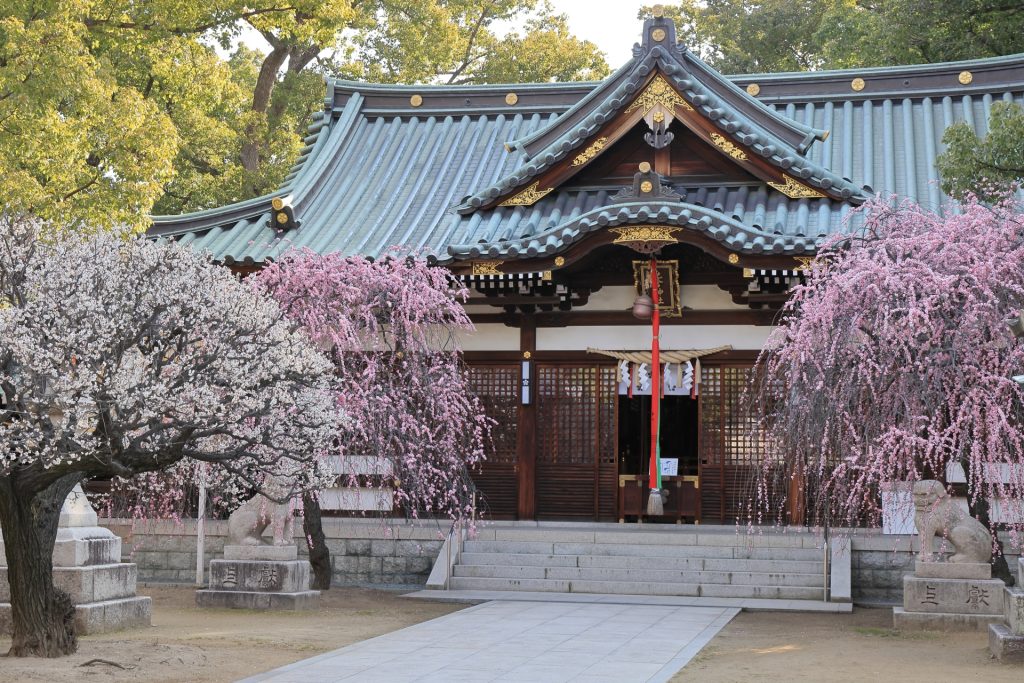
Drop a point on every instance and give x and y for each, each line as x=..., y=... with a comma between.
x=125, y=356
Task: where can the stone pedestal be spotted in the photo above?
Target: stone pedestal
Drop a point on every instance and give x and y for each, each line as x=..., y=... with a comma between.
x=950, y=596
x=259, y=577
x=87, y=565
x=1006, y=640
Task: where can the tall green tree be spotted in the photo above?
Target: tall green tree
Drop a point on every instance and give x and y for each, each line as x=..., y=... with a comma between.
x=739, y=36
x=77, y=146
x=111, y=109
x=990, y=165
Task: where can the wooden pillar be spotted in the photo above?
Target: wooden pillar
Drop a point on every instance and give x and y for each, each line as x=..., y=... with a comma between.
x=526, y=435
x=663, y=161
x=796, y=498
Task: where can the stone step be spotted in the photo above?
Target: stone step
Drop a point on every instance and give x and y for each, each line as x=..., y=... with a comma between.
x=637, y=588
x=642, y=575
x=654, y=535
x=645, y=562
x=644, y=550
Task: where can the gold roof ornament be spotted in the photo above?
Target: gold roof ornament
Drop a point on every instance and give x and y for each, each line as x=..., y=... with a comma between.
x=645, y=167
x=511, y=98
x=416, y=100
x=805, y=263
x=646, y=239
x=646, y=186
x=658, y=11
x=528, y=197
x=486, y=268
x=857, y=84
x=727, y=146
x=559, y=261
x=965, y=77
x=796, y=190
x=590, y=152
x=658, y=35
x=753, y=89
x=734, y=259
x=658, y=92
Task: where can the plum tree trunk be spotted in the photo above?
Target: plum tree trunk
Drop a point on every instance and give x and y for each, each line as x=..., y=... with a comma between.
x=42, y=616
x=313, y=529
x=979, y=509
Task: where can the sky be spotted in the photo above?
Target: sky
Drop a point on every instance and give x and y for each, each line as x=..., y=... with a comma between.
x=610, y=24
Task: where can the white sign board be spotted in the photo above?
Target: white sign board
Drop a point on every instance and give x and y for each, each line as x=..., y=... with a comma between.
x=669, y=467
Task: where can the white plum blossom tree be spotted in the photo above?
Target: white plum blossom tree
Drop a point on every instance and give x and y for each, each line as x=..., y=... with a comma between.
x=125, y=356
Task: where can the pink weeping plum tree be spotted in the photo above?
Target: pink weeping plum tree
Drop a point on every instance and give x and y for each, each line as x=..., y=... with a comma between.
x=895, y=361
x=121, y=357
x=391, y=328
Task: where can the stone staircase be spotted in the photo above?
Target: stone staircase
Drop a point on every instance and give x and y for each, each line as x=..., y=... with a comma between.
x=654, y=560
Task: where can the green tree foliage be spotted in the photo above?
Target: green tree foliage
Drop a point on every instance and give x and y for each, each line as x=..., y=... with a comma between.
x=111, y=109
x=989, y=165
x=739, y=36
x=77, y=145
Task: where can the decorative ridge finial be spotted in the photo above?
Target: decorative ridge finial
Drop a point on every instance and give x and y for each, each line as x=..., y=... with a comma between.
x=647, y=184
x=659, y=30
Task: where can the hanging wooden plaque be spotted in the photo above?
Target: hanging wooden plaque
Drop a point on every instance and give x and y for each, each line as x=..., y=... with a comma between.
x=670, y=302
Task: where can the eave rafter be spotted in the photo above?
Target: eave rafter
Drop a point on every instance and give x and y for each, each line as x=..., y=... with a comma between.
x=658, y=103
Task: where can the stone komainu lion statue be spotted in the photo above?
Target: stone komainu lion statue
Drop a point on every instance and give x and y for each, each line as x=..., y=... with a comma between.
x=936, y=514
x=247, y=523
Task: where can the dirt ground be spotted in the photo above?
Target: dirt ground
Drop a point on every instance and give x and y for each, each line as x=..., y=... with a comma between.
x=789, y=646
x=189, y=644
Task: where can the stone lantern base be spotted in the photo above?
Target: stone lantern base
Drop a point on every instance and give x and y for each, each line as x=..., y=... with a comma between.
x=88, y=567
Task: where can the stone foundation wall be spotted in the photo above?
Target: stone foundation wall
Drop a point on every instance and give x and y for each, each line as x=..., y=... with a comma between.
x=368, y=552
x=363, y=551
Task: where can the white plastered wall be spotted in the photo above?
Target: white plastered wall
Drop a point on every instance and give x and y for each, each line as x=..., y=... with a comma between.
x=695, y=297
x=490, y=337
x=634, y=337
x=498, y=337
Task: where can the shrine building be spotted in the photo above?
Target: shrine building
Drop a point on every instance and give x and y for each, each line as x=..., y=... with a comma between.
x=548, y=201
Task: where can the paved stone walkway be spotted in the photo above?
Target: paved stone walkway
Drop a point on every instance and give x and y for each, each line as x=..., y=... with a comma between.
x=533, y=642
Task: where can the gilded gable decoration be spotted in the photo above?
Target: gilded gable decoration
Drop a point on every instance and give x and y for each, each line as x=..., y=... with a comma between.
x=796, y=190
x=527, y=197
x=590, y=152
x=727, y=146
x=645, y=239
x=659, y=92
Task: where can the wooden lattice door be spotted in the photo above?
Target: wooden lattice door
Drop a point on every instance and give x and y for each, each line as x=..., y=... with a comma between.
x=730, y=447
x=497, y=387
x=577, y=471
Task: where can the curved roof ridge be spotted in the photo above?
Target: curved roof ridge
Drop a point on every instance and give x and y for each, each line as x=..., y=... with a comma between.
x=726, y=229
x=596, y=92
x=998, y=60
x=811, y=132
x=347, y=85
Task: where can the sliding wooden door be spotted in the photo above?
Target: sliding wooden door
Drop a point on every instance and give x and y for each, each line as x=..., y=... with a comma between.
x=730, y=446
x=576, y=473
x=496, y=479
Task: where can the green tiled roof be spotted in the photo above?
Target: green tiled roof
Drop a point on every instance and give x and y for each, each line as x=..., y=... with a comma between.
x=378, y=171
